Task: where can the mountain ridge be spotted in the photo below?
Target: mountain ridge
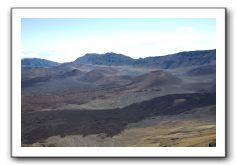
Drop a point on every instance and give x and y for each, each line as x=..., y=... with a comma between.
x=109, y=58
x=176, y=60
x=38, y=62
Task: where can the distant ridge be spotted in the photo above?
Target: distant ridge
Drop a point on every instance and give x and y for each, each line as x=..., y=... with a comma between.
x=177, y=60
x=105, y=59
x=181, y=59
x=37, y=62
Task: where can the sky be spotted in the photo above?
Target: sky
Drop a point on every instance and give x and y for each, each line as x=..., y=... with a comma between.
x=65, y=39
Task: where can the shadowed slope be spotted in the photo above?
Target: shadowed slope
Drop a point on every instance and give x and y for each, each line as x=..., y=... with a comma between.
x=40, y=125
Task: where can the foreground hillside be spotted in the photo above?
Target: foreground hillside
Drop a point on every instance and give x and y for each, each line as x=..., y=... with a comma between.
x=101, y=100
x=195, y=128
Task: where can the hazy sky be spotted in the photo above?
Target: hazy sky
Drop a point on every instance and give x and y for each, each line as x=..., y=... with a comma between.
x=65, y=39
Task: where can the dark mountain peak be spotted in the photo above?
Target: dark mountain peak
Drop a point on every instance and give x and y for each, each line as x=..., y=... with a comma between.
x=90, y=55
x=109, y=58
x=104, y=54
x=196, y=53
x=181, y=59
x=37, y=62
x=112, y=54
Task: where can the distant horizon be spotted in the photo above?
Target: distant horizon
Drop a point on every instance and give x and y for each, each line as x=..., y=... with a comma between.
x=64, y=39
x=22, y=58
